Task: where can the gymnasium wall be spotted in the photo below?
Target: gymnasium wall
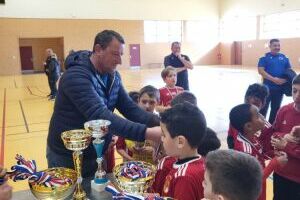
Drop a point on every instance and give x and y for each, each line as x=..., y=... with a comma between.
x=38, y=49
x=111, y=9
x=78, y=27
x=79, y=34
x=254, y=49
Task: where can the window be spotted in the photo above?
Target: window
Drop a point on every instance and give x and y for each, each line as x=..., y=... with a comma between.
x=238, y=28
x=280, y=25
x=162, y=31
x=201, y=31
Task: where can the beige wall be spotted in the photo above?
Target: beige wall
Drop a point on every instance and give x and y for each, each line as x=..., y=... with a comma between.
x=111, y=9
x=256, y=7
x=79, y=34
x=39, y=45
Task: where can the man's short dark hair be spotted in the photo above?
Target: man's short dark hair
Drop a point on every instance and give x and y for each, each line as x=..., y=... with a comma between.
x=209, y=143
x=234, y=175
x=176, y=42
x=187, y=120
x=296, y=80
x=105, y=37
x=184, y=97
x=134, y=95
x=257, y=90
x=151, y=91
x=239, y=116
x=274, y=40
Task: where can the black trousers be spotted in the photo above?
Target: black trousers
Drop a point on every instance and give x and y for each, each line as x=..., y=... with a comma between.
x=275, y=99
x=52, y=84
x=284, y=189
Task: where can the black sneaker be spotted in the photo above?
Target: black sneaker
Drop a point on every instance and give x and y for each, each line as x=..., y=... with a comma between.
x=51, y=98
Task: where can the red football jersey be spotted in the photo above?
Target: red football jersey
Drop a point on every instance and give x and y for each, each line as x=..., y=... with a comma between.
x=252, y=148
x=181, y=181
x=167, y=94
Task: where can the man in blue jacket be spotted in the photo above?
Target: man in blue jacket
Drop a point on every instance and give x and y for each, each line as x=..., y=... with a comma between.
x=90, y=89
x=272, y=68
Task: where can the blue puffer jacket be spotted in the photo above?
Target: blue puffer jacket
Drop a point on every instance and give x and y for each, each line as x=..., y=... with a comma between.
x=82, y=96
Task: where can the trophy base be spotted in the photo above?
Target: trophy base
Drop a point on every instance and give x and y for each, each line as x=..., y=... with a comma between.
x=99, y=187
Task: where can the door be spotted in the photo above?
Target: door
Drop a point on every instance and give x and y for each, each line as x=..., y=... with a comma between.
x=26, y=58
x=135, y=59
x=237, y=53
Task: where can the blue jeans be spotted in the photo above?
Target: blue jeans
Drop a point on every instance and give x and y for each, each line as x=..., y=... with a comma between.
x=89, y=166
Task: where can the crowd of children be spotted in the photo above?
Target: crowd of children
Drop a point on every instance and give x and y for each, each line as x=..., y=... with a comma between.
x=189, y=164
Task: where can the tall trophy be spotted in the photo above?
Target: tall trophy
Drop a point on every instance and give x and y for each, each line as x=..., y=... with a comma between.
x=77, y=140
x=98, y=128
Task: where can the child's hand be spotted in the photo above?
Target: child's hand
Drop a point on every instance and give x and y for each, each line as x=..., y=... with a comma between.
x=3, y=174
x=281, y=157
x=296, y=132
x=5, y=192
x=278, y=143
x=290, y=138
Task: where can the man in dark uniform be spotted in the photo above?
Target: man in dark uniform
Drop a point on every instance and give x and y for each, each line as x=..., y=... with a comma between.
x=181, y=63
x=272, y=68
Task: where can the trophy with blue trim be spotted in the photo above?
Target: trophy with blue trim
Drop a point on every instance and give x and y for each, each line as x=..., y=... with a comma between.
x=98, y=128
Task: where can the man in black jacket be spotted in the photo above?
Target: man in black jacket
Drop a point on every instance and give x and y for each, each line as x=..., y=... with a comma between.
x=90, y=89
x=52, y=70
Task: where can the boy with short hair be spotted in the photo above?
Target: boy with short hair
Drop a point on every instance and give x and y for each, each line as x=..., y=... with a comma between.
x=209, y=143
x=183, y=127
x=231, y=175
x=167, y=93
x=256, y=94
x=286, y=182
x=184, y=96
x=148, y=99
x=248, y=121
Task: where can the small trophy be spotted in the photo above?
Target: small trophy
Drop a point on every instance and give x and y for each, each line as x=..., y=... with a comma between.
x=98, y=128
x=77, y=140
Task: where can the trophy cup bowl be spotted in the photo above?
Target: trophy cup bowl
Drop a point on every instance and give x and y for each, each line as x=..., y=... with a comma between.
x=97, y=127
x=138, y=186
x=76, y=141
x=52, y=193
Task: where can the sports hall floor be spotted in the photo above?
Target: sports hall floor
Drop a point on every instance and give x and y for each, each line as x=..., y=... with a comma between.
x=25, y=111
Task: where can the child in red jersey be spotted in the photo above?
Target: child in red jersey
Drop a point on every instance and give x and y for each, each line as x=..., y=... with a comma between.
x=168, y=92
x=248, y=121
x=231, y=175
x=148, y=98
x=286, y=182
x=180, y=175
x=256, y=94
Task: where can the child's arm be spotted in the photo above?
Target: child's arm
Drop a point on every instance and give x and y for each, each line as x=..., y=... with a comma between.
x=5, y=189
x=274, y=164
x=292, y=149
x=121, y=146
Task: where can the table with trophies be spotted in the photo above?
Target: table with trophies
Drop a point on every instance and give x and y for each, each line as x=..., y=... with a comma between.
x=128, y=178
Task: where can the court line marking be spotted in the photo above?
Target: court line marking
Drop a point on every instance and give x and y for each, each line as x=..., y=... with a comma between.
x=24, y=117
x=3, y=129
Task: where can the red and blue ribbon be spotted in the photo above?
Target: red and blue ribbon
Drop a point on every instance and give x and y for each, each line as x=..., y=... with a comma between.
x=26, y=169
x=134, y=171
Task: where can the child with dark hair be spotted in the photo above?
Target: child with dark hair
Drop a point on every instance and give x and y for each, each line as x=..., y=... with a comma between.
x=134, y=95
x=248, y=121
x=185, y=96
x=167, y=93
x=256, y=94
x=148, y=98
x=286, y=184
x=209, y=143
x=231, y=175
x=180, y=174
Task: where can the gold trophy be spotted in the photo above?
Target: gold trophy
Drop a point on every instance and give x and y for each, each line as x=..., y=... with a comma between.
x=98, y=128
x=77, y=140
